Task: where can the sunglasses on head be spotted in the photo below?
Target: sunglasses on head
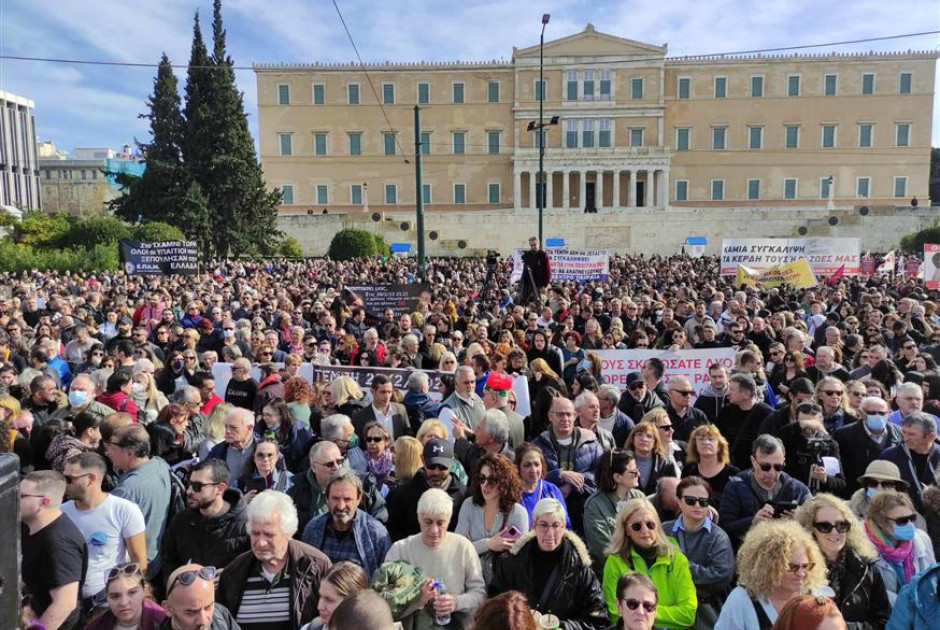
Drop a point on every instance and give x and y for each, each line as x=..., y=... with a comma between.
x=125, y=570
x=650, y=525
x=633, y=604
x=824, y=527
x=767, y=467
x=186, y=578
x=691, y=501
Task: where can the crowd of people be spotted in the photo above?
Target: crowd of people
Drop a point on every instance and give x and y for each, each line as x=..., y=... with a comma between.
x=796, y=490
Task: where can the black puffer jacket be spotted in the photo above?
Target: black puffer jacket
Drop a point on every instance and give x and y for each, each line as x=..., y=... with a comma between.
x=576, y=599
x=862, y=597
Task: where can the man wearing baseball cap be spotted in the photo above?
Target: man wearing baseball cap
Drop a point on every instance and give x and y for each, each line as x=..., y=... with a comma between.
x=402, y=502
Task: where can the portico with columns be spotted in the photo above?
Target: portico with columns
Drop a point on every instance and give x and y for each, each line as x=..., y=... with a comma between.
x=595, y=187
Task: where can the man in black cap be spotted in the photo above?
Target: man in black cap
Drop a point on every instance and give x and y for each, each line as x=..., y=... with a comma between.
x=124, y=326
x=638, y=399
x=402, y=502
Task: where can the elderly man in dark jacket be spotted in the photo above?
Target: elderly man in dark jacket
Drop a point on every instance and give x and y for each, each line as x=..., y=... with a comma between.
x=865, y=440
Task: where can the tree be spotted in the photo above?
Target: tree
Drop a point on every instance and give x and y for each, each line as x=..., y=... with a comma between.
x=156, y=231
x=351, y=243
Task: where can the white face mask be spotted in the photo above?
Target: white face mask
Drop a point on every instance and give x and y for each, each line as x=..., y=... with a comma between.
x=138, y=389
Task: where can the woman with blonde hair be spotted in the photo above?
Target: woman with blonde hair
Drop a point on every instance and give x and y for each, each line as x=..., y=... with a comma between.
x=850, y=560
x=709, y=457
x=406, y=457
x=891, y=528
x=343, y=396
x=651, y=458
x=542, y=376
x=777, y=561
x=11, y=440
x=214, y=428
x=149, y=400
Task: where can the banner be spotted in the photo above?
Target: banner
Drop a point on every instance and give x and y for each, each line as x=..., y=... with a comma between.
x=160, y=258
x=401, y=298
x=825, y=255
x=796, y=273
x=868, y=266
x=692, y=364
x=932, y=265
x=569, y=264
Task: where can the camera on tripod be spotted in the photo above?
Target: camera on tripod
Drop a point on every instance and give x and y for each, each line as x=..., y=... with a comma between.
x=492, y=258
x=816, y=448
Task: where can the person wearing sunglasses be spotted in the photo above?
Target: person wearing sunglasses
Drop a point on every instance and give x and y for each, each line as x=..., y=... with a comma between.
x=705, y=545
x=640, y=544
x=778, y=561
x=762, y=492
x=637, y=600
x=865, y=440
x=128, y=603
x=860, y=591
x=801, y=437
x=891, y=526
x=191, y=601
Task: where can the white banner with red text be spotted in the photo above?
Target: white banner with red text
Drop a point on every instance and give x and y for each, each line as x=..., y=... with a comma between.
x=692, y=364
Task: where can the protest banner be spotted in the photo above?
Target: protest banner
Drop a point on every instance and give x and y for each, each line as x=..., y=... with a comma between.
x=868, y=266
x=825, y=255
x=932, y=265
x=796, y=273
x=570, y=264
x=160, y=257
x=692, y=364
x=401, y=298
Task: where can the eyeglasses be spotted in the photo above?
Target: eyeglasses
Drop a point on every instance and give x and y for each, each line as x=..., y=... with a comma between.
x=909, y=346
x=375, y=439
x=824, y=527
x=336, y=463
x=188, y=577
x=691, y=501
x=32, y=496
x=488, y=480
x=789, y=360
x=903, y=520
x=831, y=392
x=650, y=525
x=71, y=479
x=887, y=485
x=633, y=604
x=683, y=393
x=766, y=467
x=265, y=455
x=796, y=568
x=437, y=467
x=122, y=570
x=667, y=427
x=197, y=486
x=545, y=527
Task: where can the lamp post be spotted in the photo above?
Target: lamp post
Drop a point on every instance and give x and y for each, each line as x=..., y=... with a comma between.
x=540, y=179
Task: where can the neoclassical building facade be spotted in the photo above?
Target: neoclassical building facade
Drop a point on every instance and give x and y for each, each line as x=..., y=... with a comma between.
x=635, y=128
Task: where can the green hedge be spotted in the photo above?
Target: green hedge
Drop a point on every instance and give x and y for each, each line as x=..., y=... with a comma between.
x=158, y=231
x=914, y=243
x=349, y=244
x=16, y=257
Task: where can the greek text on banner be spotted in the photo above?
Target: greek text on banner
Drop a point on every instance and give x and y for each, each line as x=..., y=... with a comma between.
x=825, y=255
x=692, y=364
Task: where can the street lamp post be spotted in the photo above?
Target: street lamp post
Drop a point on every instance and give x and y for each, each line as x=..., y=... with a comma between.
x=540, y=180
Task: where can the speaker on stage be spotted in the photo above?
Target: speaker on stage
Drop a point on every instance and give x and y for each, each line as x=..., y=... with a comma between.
x=10, y=551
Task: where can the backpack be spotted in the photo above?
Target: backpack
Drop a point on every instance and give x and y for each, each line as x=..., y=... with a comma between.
x=177, y=494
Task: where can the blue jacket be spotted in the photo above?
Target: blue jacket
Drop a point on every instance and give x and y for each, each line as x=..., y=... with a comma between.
x=917, y=607
x=372, y=539
x=740, y=503
x=587, y=451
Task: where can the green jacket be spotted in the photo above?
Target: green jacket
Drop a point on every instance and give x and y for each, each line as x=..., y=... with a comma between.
x=673, y=580
x=600, y=518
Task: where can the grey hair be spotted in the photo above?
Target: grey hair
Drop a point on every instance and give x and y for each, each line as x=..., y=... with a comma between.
x=319, y=446
x=417, y=381
x=922, y=420
x=448, y=356
x=497, y=426
x=245, y=416
x=549, y=507
x=767, y=444
x=347, y=475
x=179, y=396
x=909, y=387
x=409, y=339
x=463, y=369
x=873, y=399
x=371, y=333
x=608, y=392
x=435, y=502
x=268, y=503
x=583, y=399
x=825, y=350
x=333, y=426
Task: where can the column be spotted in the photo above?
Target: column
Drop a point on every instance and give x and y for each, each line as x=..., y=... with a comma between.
x=631, y=192
x=532, y=177
x=549, y=193
x=582, y=192
x=616, y=199
x=665, y=188
x=599, y=190
x=566, y=189
x=517, y=191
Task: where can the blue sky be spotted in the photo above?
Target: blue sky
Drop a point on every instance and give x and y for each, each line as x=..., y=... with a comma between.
x=83, y=106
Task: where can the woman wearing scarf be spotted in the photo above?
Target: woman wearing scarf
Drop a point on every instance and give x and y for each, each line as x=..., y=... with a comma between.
x=378, y=455
x=904, y=549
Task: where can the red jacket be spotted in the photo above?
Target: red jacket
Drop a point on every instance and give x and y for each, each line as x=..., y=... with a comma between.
x=207, y=406
x=119, y=401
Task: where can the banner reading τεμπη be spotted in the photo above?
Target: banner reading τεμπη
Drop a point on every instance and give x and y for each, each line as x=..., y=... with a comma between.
x=570, y=264
x=825, y=255
x=692, y=364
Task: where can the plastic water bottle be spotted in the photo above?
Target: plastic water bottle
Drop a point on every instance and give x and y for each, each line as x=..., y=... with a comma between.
x=441, y=619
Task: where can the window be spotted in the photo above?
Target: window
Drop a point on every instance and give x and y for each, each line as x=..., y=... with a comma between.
x=589, y=85
x=286, y=141
x=492, y=142
x=719, y=138
x=683, y=139
x=789, y=188
x=492, y=193
x=684, y=87
x=868, y=83
x=283, y=94
x=571, y=91
x=755, y=138
x=287, y=195
x=492, y=91
x=460, y=193
x=424, y=93
x=605, y=85
x=753, y=189
x=682, y=190
x=458, y=93
x=587, y=133
x=603, y=134
x=757, y=86
x=904, y=83
x=355, y=194
x=355, y=144
x=832, y=84
x=636, y=137
x=825, y=188
x=319, y=94
x=793, y=85
x=828, y=136
x=425, y=142
x=319, y=144
x=791, y=137
x=322, y=196
x=636, y=89
x=863, y=187
x=391, y=194
x=389, y=142
x=571, y=134
x=721, y=87
x=864, y=134
x=388, y=93
x=460, y=143
x=902, y=136
x=900, y=187
x=352, y=93
x=718, y=189
x=426, y=193
x=540, y=90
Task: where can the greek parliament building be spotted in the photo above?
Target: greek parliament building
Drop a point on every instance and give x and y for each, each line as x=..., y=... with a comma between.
x=635, y=129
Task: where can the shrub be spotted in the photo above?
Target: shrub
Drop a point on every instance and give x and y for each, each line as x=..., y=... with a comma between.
x=349, y=244
x=96, y=231
x=17, y=258
x=155, y=231
x=914, y=243
x=290, y=248
x=381, y=247
x=40, y=229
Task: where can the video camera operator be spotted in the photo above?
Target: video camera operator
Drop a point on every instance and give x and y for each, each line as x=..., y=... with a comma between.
x=806, y=437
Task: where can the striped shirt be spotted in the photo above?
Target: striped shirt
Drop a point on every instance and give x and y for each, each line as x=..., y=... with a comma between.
x=266, y=604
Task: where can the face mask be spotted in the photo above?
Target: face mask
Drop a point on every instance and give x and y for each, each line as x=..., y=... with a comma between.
x=354, y=441
x=876, y=422
x=904, y=532
x=177, y=365
x=77, y=398
x=138, y=389
x=871, y=493
x=584, y=365
x=228, y=334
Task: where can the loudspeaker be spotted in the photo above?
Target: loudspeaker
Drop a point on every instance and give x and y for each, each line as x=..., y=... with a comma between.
x=833, y=221
x=10, y=552
x=376, y=217
x=433, y=235
x=863, y=211
x=405, y=226
x=801, y=230
x=461, y=244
